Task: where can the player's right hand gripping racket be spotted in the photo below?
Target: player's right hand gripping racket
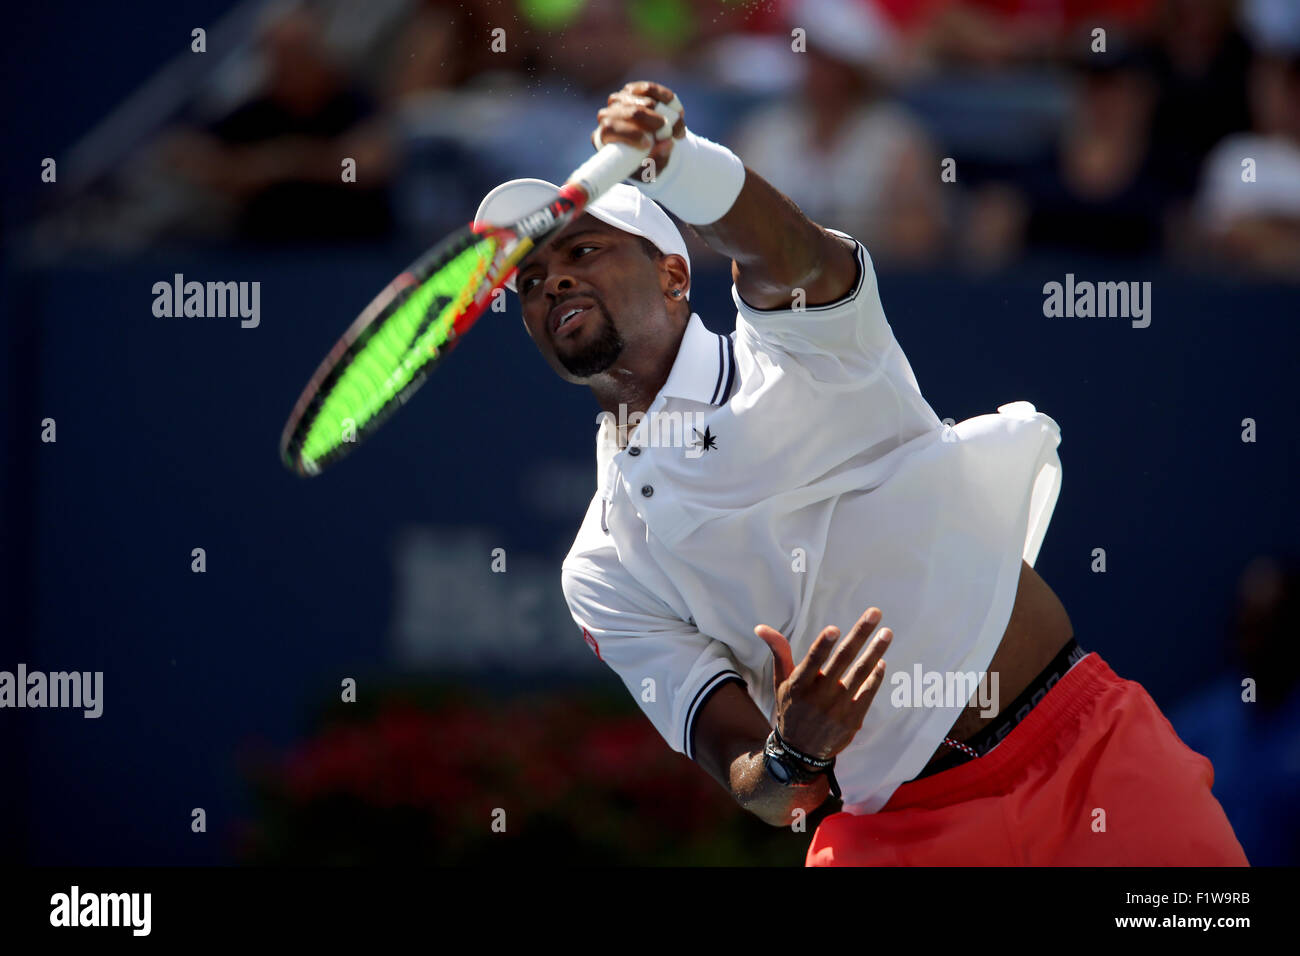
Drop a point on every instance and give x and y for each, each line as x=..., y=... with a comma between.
x=421, y=315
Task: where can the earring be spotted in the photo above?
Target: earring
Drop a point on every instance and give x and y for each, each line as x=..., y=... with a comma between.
x=677, y=293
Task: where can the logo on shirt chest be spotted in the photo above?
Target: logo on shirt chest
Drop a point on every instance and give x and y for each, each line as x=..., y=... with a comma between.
x=704, y=442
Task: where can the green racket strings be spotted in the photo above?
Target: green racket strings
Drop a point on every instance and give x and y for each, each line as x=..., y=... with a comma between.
x=391, y=353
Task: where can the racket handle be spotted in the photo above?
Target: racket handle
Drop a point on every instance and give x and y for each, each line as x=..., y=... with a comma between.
x=615, y=162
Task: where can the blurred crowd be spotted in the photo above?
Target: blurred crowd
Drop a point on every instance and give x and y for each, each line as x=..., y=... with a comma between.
x=969, y=132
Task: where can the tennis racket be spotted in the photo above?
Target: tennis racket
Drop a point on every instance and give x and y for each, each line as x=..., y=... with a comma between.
x=420, y=316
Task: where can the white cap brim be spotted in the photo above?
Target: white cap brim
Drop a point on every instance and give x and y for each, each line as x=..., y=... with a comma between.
x=623, y=206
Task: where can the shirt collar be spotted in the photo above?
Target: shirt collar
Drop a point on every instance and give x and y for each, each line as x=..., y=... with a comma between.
x=705, y=368
x=704, y=371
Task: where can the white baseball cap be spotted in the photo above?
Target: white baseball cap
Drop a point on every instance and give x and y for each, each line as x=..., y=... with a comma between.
x=624, y=207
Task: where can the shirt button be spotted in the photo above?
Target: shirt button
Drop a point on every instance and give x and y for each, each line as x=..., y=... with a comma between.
x=647, y=491
x=634, y=450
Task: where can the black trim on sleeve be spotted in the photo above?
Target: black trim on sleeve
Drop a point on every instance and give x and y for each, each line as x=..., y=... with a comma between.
x=701, y=697
x=861, y=264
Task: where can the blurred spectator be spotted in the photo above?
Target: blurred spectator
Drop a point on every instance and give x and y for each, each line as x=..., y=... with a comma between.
x=524, y=103
x=1249, y=203
x=1096, y=190
x=1199, y=60
x=992, y=34
x=847, y=156
x=1255, y=745
x=278, y=158
x=445, y=45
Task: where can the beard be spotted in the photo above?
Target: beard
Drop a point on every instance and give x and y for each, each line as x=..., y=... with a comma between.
x=599, y=354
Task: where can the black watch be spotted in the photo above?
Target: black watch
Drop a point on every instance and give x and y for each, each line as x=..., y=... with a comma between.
x=789, y=771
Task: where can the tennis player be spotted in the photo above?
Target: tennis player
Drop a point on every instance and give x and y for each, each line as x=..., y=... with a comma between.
x=814, y=489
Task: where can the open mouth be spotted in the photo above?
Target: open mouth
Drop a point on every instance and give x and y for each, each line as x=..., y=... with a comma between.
x=569, y=316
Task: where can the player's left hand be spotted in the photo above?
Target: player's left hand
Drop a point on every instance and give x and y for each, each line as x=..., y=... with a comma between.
x=630, y=118
x=822, y=702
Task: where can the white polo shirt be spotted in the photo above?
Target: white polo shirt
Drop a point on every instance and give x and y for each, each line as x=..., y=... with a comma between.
x=819, y=483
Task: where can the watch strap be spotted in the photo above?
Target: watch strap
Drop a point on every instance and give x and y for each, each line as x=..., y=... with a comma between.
x=798, y=770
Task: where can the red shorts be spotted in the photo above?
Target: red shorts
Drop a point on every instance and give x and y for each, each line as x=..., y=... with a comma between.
x=1093, y=776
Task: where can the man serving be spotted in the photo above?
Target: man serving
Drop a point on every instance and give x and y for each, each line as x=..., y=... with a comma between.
x=818, y=483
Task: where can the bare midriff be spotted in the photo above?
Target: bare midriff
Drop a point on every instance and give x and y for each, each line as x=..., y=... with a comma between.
x=1038, y=629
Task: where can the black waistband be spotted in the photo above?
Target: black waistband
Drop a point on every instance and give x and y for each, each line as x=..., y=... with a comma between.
x=996, y=731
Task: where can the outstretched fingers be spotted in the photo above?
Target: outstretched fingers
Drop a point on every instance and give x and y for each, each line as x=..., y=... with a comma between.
x=846, y=653
x=868, y=672
x=811, y=665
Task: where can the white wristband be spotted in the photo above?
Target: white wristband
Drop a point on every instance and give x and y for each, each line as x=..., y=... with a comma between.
x=700, y=183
